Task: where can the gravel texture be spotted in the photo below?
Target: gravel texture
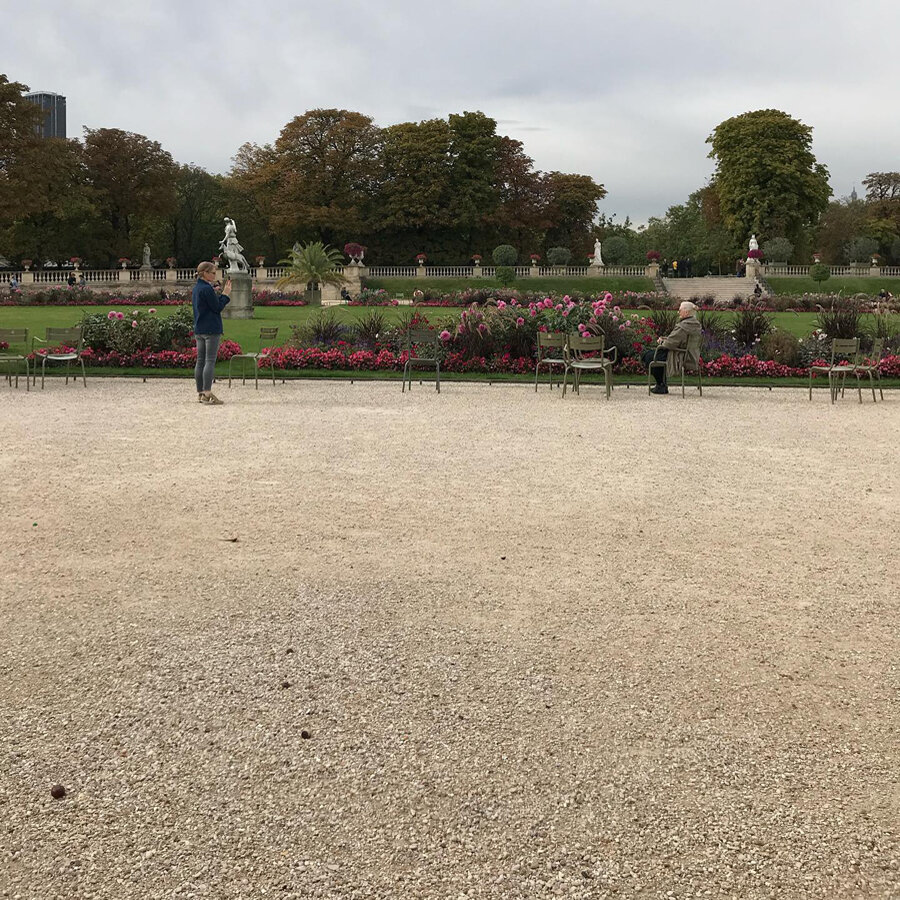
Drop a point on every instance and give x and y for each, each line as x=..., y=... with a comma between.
x=334, y=641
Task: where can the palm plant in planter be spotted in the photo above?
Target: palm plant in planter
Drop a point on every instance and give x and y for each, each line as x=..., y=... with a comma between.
x=314, y=263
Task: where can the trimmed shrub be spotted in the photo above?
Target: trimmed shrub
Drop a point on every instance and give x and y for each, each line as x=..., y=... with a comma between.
x=559, y=256
x=779, y=249
x=505, y=275
x=505, y=255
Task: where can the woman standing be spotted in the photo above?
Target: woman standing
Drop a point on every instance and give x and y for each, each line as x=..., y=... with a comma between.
x=208, y=306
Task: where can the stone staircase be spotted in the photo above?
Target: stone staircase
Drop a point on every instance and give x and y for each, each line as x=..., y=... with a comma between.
x=720, y=289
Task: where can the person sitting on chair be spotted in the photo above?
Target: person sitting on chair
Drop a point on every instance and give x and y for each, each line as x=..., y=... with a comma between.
x=687, y=325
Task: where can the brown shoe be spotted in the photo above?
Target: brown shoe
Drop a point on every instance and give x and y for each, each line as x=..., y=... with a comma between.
x=213, y=400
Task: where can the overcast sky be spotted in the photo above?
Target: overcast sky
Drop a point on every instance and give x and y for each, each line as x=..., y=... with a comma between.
x=624, y=92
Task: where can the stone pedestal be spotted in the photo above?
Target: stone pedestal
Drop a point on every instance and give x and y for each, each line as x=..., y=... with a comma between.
x=874, y=271
x=595, y=271
x=420, y=271
x=241, y=306
x=124, y=276
x=146, y=273
x=476, y=270
x=171, y=275
x=754, y=269
x=27, y=277
x=652, y=270
x=331, y=293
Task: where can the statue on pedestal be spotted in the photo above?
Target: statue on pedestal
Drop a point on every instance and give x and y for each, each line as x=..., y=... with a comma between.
x=231, y=249
x=598, y=258
x=754, y=245
x=145, y=263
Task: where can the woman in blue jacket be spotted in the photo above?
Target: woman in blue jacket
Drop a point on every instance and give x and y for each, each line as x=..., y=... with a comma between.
x=208, y=306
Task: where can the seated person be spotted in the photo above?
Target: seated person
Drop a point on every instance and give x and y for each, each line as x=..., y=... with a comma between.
x=687, y=325
x=345, y=295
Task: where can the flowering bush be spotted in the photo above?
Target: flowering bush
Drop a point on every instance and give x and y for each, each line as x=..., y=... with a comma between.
x=754, y=254
x=354, y=250
x=371, y=297
x=653, y=256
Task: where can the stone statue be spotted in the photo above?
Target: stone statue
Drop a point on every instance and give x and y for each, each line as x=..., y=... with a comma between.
x=146, y=261
x=598, y=258
x=231, y=249
x=753, y=242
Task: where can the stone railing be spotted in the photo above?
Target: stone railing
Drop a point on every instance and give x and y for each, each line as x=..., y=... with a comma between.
x=268, y=275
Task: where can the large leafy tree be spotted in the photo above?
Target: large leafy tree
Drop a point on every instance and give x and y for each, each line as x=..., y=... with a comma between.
x=767, y=177
x=329, y=163
x=474, y=149
x=195, y=227
x=571, y=208
x=521, y=218
x=132, y=178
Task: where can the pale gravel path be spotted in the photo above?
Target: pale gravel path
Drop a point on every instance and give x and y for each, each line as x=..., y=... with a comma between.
x=645, y=648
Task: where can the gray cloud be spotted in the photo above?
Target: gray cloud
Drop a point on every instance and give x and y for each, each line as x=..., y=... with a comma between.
x=627, y=95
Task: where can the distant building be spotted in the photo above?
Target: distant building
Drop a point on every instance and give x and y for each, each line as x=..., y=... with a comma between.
x=54, y=107
x=853, y=194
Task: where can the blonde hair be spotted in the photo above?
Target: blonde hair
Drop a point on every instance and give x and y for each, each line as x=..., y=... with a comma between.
x=687, y=306
x=206, y=267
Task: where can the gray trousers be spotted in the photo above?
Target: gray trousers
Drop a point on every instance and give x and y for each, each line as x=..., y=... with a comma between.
x=207, y=348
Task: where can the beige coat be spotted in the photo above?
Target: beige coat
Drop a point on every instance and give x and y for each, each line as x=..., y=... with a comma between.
x=686, y=335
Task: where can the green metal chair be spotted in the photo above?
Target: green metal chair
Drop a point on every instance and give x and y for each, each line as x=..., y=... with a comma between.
x=9, y=357
x=267, y=337
x=844, y=361
x=67, y=337
x=549, y=341
x=577, y=361
x=683, y=363
x=870, y=367
x=422, y=345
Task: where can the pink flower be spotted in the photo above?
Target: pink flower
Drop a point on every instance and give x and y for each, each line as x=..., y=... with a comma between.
x=607, y=297
x=482, y=327
x=621, y=328
x=134, y=323
x=151, y=310
x=615, y=318
x=111, y=314
x=628, y=322
x=501, y=304
x=520, y=322
x=532, y=312
x=120, y=315
x=445, y=335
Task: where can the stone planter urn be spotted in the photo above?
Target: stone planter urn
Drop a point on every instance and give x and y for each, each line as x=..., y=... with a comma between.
x=26, y=264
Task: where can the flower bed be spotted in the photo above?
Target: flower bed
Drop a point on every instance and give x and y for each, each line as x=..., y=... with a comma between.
x=151, y=359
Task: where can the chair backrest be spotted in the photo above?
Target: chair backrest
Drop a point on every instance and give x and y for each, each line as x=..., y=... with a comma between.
x=875, y=355
x=555, y=339
x=424, y=338
x=267, y=337
x=692, y=351
x=14, y=336
x=578, y=346
x=845, y=348
x=70, y=337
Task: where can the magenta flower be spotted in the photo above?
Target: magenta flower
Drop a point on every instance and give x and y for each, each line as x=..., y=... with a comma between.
x=482, y=327
x=151, y=310
x=120, y=315
x=501, y=304
x=621, y=328
x=134, y=323
x=445, y=335
x=111, y=314
x=520, y=322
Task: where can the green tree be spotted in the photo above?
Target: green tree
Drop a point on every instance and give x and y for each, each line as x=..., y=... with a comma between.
x=196, y=225
x=250, y=192
x=615, y=249
x=842, y=221
x=329, y=165
x=571, y=209
x=131, y=178
x=474, y=195
x=767, y=177
x=778, y=249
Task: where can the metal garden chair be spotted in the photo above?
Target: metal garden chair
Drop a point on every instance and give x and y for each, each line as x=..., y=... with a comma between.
x=267, y=337
x=9, y=357
x=870, y=367
x=423, y=347
x=71, y=338
x=844, y=361
x=549, y=341
x=576, y=360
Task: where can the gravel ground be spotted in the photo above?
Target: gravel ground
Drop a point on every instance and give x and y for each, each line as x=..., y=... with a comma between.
x=332, y=641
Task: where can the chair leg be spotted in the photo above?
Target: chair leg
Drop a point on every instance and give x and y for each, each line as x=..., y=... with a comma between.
x=83, y=375
x=43, y=371
x=682, y=383
x=438, y=379
x=810, y=384
x=536, y=376
x=405, y=368
x=230, y=361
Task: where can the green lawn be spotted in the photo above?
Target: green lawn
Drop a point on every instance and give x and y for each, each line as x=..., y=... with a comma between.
x=844, y=286
x=590, y=285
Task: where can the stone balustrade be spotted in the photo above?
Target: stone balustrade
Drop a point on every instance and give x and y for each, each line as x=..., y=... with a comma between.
x=267, y=276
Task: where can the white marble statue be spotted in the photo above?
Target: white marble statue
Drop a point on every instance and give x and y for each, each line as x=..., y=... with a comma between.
x=146, y=261
x=598, y=257
x=754, y=245
x=231, y=249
